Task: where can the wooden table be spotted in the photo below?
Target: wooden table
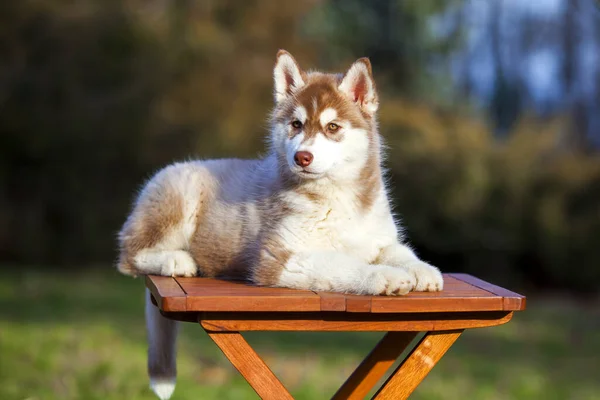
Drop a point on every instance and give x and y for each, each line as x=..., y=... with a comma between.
x=225, y=308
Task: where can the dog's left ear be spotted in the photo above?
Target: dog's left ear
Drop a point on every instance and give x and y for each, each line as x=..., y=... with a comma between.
x=358, y=84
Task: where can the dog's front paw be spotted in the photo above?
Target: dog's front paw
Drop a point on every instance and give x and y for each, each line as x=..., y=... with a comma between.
x=428, y=278
x=390, y=281
x=179, y=263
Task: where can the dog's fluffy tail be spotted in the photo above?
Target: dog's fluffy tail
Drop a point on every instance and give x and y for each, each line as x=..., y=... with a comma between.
x=162, y=336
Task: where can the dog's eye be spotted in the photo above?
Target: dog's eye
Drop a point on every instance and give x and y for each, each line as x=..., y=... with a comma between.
x=333, y=127
x=296, y=124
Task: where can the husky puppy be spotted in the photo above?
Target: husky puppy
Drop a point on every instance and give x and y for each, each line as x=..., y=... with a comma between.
x=312, y=214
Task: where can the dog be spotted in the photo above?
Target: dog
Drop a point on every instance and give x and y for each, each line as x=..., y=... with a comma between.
x=312, y=214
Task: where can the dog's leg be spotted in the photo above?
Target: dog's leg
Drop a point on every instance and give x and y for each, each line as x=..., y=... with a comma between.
x=166, y=262
x=428, y=278
x=338, y=272
x=156, y=236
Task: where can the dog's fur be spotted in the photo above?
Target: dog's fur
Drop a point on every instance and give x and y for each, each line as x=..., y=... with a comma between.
x=325, y=226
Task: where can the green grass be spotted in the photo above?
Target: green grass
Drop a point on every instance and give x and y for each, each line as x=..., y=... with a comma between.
x=81, y=336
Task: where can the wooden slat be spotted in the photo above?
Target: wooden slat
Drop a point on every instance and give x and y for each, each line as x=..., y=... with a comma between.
x=464, y=294
x=451, y=282
x=417, y=365
x=511, y=301
x=336, y=322
x=374, y=366
x=256, y=304
x=204, y=294
x=457, y=296
x=166, y=291
x=332, y=301
x=250, y=365
x=435, y=304
x=358, y=304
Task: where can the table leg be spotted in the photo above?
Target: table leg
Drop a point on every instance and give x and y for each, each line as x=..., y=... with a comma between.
x=417, y=365
x=374, y=366
x=250, y=365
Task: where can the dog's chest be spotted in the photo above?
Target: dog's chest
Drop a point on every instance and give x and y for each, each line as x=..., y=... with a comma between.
x=340, y=227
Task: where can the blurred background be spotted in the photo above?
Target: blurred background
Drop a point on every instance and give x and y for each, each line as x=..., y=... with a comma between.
x=490, y=110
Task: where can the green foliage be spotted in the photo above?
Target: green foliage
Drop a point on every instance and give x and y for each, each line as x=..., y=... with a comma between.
x=522, y=210
x=396, y=35
x=80, y=335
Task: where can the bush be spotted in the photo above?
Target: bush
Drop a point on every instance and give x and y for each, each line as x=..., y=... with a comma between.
x=516, y=211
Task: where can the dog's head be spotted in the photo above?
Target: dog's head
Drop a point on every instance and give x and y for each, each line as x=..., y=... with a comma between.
x=324, y=124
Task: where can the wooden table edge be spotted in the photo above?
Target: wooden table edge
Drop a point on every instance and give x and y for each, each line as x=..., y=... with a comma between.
x=173, y=298
x=337, y=322
x=511, y=301
x=174, y=301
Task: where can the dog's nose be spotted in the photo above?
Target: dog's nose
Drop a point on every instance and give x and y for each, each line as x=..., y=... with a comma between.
x=303, y=158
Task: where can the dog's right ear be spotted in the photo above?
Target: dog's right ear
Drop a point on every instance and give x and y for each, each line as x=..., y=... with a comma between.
x=287, y=75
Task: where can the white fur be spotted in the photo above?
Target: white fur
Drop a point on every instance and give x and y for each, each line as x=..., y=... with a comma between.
x=354, y=153
x=337, y=245
x=427, y=277
x=328, y=115
x=300, y=113
x=339, y=272
x=163, y=389
x=340, y=161
x=326, y=153
x=166, y=262
x=338, y=258
x=292, y=147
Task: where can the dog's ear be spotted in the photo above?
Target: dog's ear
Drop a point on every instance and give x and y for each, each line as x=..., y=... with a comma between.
x=358, y=84
x=287, y=75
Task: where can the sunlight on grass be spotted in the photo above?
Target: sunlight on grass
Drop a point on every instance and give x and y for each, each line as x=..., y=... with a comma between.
x=81, y=336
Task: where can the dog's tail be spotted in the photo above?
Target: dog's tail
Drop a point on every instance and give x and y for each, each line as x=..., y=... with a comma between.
x=162, y=336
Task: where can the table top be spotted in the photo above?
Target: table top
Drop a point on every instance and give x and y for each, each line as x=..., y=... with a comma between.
x=462, y=293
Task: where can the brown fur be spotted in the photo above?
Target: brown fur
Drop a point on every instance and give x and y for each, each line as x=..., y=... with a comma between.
x=214, y=252
x=267, y=256
x=148, y=224
x=310, y=194
x=272, y=258
x=370, y=176
x=322, y=89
